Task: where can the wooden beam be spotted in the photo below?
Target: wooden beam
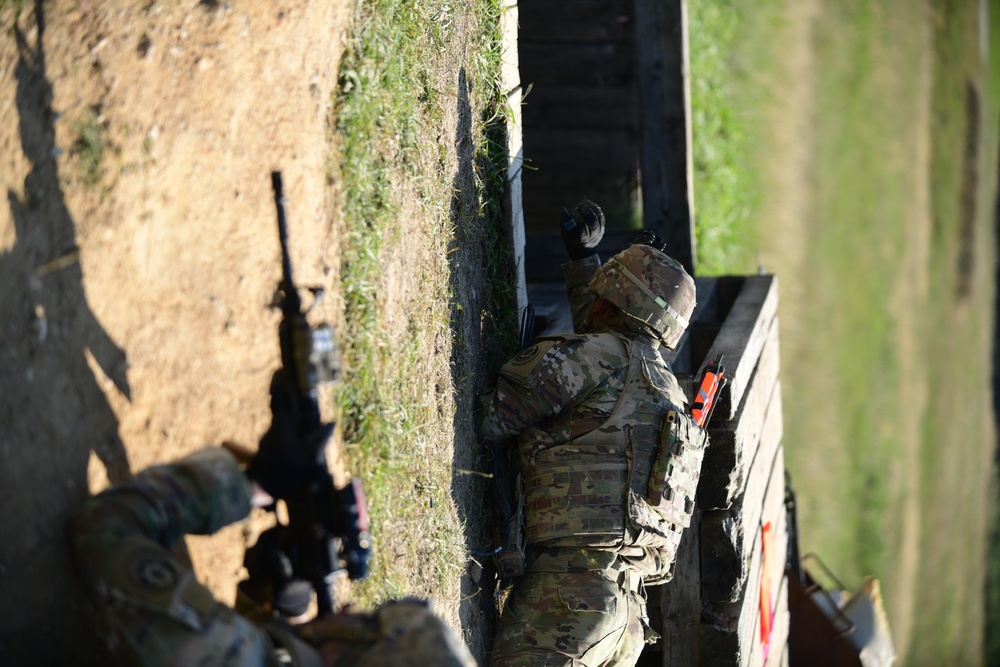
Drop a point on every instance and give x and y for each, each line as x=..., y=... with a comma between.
x=680, y=603
x=778, y=650
x=742, y=337
x=727, y=536
x=591, y=20
x=734, y=443
x=731, y=630
x=544, y=252
x=665, y=113
x=594, y=108
x=583, y=64
x=584, y=151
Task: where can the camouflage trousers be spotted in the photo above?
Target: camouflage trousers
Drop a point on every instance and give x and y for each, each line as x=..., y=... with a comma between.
x=572, y=619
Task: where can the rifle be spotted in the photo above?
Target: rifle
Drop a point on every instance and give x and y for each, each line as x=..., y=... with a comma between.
x=713, y=379
x=509, y=555
x=327, y=528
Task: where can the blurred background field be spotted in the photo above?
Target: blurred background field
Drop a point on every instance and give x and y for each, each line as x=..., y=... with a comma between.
x=850, y=148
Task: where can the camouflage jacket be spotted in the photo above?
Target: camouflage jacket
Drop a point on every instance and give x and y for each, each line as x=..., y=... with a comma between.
x=154, y=611
x=588, y=411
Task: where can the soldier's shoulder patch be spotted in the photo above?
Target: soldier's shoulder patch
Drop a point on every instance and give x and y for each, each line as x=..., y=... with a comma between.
x=142, y=568
x=527, y=359
x=153, y=570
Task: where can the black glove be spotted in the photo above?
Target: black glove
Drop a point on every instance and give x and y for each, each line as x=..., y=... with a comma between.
x=288, y=459
x=582, y=229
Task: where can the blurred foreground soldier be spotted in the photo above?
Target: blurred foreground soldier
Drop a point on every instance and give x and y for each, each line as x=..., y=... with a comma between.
x=608, y=458
x=154, y=611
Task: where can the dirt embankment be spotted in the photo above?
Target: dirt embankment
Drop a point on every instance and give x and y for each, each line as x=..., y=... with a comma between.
x=138, y=256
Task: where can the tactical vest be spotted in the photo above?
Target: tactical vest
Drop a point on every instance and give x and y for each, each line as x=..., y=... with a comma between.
x=595, y=491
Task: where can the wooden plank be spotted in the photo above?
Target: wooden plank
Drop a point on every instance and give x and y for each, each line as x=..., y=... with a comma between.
x=514, y=134
x=665, y=112
x=584, y=107
x=583, y=64
x=734, y=443
x=778, y=651
x=576, y=20
x=759, y=657
x=510, y=77
x=617, y=196
x=610, y=151
x=513, y=206
x=614, y=193
x=742, y=338
x=544, y=252
x=731, y=629
x=727, y=536
x=680, y=603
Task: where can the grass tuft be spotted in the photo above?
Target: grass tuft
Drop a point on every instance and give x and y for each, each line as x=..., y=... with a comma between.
x=89, y=147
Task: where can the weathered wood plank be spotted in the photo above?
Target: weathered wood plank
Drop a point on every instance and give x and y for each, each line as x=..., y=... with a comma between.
x=610, y=151
x=777, y=653
x=576, y=20
x=727, y=536
x=665, y=112
x=510, y=76
x=544, y=252
x=583, y=107
x=742, y=337
x=583, y=64
x=730, y=630
x=680, y=603
x=734, y=443
x=544, y=203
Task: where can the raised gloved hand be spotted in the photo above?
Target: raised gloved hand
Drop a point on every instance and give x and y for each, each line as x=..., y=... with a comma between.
x=583, y=229
x=288, y=459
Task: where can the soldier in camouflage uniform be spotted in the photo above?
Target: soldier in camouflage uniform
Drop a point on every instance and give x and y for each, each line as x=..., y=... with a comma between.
x=609, y=459
x=154, y=611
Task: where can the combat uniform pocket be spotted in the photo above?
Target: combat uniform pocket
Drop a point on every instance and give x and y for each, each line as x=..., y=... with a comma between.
x=673, y=480
x=588, y=592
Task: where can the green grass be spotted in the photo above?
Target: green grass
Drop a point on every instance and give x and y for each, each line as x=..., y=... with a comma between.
x=89, y=148
x=726, y=188
x=390, y=105
x=859, y=334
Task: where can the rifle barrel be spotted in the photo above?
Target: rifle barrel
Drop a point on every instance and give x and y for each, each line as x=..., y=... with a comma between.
x=287, y=284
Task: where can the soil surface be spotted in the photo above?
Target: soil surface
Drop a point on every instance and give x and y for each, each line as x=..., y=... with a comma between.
x=138, y=259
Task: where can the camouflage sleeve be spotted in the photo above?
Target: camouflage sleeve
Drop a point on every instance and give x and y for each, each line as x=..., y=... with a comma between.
x=549, y=377
x=199, y=494
x=577, y=275
x=154, y=610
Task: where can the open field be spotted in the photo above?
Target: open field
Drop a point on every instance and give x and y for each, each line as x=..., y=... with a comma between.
x=876, y=169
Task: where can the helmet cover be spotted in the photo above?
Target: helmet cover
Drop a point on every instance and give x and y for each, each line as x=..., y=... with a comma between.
x=651, y=288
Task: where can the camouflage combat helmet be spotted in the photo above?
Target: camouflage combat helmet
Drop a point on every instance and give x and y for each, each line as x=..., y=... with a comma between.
x=649, y=287
x=403, y=633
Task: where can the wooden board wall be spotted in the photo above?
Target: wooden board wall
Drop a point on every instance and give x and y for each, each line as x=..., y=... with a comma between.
x=711, y=611
x=580, y=110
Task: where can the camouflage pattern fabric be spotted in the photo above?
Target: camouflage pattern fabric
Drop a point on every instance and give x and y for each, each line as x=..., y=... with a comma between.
x=588, y=414
x=577, y=276
x=573, y=619
x=154, y=611
x=650, y=287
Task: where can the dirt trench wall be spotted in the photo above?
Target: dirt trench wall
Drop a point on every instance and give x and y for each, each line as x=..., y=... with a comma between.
x=138, y=256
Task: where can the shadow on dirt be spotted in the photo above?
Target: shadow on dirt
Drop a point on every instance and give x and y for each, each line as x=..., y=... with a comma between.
x=54, y=412
x=474, y=319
